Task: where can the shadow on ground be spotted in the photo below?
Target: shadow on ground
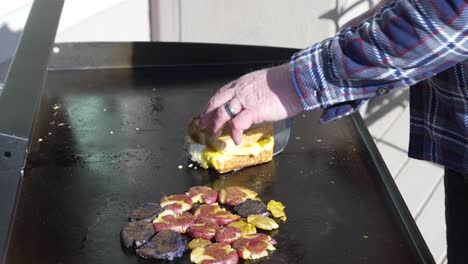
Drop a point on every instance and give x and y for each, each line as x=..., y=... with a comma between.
x=378, y=106
x=336, y=13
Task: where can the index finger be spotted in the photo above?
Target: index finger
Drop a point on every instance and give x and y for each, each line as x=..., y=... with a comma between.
x=221, y=97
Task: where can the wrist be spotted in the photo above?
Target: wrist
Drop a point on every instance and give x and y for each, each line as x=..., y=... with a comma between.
x=286, y=90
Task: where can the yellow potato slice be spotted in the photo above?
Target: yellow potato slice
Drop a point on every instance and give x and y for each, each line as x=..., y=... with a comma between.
x=198, y=243
x=262, y=222
x=198, y=255
x=277, y=209
x=246, y=228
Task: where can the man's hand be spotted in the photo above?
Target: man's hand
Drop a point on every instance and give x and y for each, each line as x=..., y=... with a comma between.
x=265, y=95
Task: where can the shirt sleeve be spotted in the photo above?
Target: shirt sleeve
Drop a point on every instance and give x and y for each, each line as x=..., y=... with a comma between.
x=406, y=41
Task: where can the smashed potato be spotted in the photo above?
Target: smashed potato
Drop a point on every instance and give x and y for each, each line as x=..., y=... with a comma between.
x=254, y=246
x=246, y=228
x=262, y=222
x=214, y=253
x=235, y=195
x=198, y=243
x=277, y=209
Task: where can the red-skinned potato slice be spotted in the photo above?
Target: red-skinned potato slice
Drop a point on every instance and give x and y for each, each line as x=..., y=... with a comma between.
x=169, y=220
x=254, y=246
x=202, y=194
x=235, y=195
x=215, y=253
x=178, y=203
x=225, y=217
x=203, y=229
x=227, y=234
x=177, y=208
x=215, y=214
x=208, y=209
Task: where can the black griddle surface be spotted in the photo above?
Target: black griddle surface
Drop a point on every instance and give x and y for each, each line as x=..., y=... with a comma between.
x=113, y=140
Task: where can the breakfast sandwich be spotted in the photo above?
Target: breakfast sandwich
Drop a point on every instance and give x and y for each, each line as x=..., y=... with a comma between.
x=223, y=155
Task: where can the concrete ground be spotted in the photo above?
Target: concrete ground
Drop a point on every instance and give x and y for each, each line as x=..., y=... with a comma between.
x=420, y=182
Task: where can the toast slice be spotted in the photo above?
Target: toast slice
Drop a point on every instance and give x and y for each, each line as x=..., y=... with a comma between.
x=239, y=162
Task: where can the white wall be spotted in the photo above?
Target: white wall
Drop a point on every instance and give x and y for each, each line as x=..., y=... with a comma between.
x=104, y=20
x=297, y=23
x=81, y=20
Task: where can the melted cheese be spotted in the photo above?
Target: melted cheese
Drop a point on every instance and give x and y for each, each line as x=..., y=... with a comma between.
x=207, y=157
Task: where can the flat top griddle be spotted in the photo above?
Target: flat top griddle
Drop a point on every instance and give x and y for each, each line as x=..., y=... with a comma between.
x=109, y=135
x=108, y=140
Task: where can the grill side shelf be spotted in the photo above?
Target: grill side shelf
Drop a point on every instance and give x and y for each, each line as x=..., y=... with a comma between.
x=19, y=101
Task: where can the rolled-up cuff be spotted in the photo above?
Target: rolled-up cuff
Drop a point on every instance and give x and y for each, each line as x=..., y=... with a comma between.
x=308, y=97
x=338, y=111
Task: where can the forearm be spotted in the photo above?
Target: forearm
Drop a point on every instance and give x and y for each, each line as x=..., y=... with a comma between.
x=403, y=43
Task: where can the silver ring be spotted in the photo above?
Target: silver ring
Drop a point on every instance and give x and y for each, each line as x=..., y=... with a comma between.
x=227, y=107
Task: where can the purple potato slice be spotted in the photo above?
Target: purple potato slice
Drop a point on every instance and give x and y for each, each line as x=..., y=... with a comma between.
x=136, y=233
x=167, y=244
x=148, y=212
x=251, y=207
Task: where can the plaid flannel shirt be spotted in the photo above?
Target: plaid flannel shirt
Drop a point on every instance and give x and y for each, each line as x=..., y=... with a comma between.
x=403, y=44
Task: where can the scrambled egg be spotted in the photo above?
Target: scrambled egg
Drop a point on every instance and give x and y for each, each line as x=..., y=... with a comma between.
x=207, y=157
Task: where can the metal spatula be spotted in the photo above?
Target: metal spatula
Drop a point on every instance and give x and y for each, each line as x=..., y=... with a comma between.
x=282, y=131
